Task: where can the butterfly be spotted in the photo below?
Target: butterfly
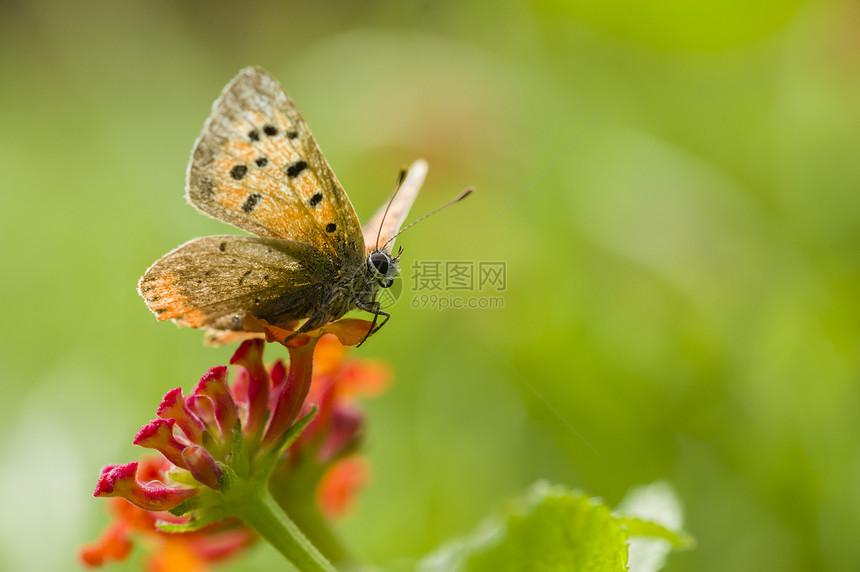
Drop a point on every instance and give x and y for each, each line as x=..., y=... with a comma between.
x=257, y=167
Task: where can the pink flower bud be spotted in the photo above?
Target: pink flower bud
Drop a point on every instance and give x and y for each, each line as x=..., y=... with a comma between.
x=121, y=481
x=344, y=434
x=250, y=356
x=202, y=466
x=158, y=435
x=213, y=384
x=173, y=406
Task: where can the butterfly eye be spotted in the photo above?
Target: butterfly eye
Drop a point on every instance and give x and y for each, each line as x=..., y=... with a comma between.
x=379, y=260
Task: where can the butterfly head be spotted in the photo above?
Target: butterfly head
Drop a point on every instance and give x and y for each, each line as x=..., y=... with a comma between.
x=383, y=267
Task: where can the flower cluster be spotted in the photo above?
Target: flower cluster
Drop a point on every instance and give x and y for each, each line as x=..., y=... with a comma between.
x=168, y=552
x=285, y=434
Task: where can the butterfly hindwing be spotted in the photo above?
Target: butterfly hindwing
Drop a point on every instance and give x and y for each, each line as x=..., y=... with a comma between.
x=257, y=166
x=216, y=280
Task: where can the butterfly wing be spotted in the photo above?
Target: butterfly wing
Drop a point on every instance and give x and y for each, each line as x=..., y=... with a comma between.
x=215, y=281
x=383, y=226
x=257, y=166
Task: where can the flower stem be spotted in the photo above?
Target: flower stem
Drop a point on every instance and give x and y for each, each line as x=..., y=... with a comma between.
x=308, y=516
x=266, y=517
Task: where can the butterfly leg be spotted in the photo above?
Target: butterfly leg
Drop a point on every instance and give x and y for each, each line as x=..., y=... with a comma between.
x=373, y=308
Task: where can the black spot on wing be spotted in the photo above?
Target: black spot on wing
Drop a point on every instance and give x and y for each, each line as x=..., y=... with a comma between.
x=292, y=134
x=270, y=130
x=251, y=202
x=254, y=135
x=330, y=227
x=315, y=200
x=222, y=247
x=261, y=162
x=295, y=169
x=238, y=172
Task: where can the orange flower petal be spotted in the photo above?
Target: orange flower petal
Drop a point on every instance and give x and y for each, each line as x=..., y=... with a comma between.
x=113, y=545
x=365, y=378
x=349, y=331
x=340, y=484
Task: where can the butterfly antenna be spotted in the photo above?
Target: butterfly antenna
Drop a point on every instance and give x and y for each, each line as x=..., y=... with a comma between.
x=397, y=186
x=465, y=193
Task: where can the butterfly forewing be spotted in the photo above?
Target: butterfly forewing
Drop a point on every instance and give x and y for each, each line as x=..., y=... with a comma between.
x=257, y=166
x=392, y=214
x=215, y=281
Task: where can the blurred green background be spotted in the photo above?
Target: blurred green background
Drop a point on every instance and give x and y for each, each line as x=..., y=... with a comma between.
x=673, y=187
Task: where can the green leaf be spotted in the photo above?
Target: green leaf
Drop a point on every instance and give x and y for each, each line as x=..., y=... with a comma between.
x=228, y=477
x=652, y=515
x=196, y=522
x=550, y=529
x=185, y=507
x=202, y=510
x=639, y=527
x=239, y=459
x=268, y=464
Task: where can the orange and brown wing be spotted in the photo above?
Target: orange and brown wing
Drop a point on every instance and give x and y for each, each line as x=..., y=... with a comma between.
x=216, y=281
x=257, y=166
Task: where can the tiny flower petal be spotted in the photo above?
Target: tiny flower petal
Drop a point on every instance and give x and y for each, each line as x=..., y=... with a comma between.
x=364, y=378
x=250, y=356
x=328, y=356
x=283, y=337
x=203, y=408
x=173, y=406
x=158, y=435
x=349, y=332
x=213, y=384
x=344, y=434
x=217, y=545
x=175, y=555
x=121, y=481
x=203, y=467
x=278, y=375
x=114, y=544
x=340, y=484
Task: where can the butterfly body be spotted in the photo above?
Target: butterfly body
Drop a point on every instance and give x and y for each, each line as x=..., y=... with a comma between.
x=256, y=166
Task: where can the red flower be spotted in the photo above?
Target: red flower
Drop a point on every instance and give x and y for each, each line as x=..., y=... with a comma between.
x=241, y=428
x=169, y=552
x=324, y=455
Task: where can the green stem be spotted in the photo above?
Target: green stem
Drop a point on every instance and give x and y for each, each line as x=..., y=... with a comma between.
x=286, y=488
x=308, y=516
x=265, y=516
